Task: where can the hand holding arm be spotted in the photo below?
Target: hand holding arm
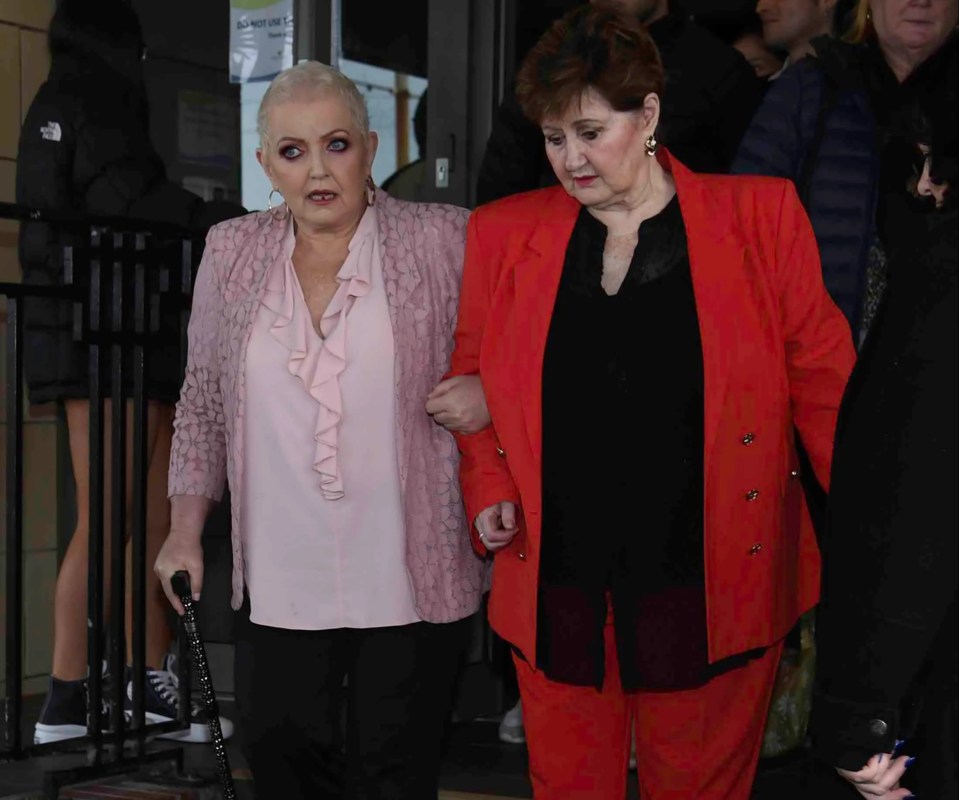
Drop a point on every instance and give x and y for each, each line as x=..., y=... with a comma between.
x=459, y=404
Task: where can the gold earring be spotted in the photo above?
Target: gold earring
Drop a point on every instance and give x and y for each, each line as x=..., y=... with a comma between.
x=370, y=190
x=651, y=145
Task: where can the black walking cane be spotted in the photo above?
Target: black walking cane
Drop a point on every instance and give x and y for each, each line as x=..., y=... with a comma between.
x=201, y=668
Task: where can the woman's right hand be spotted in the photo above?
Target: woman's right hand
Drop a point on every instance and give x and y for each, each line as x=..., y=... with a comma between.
x=459, y=404
x=180, y=551
x=497, y=525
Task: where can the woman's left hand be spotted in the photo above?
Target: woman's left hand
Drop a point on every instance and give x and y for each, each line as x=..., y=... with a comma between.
x=459, y=404
x=880, y=778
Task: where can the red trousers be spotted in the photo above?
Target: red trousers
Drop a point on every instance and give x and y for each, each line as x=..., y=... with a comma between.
x=696, y=744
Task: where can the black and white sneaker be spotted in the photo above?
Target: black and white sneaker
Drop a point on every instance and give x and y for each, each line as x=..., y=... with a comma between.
x=64, y=712
x=162, y=704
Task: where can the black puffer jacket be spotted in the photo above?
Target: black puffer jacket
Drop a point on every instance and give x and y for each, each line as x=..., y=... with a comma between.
x=85, y=148
x=710, y=96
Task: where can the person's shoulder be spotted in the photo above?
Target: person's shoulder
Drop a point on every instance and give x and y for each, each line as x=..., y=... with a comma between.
x=708, y=51
x=521, y=209
x=54, y=102
x=421, y=216
x=233, y=234
x=800, y=79
x=758, y=194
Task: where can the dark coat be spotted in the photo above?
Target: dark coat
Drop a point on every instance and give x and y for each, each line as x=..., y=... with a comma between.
x=816, y=127
x=887, y=622
x=85, y=148
x=824, y=124
x=709, y=98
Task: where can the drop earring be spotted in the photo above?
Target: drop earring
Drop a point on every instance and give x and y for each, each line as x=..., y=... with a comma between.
x=651, y=145
x=370, y=190
x=273, y=209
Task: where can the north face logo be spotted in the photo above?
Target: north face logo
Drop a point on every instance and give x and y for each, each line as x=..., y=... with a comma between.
x=51, y=132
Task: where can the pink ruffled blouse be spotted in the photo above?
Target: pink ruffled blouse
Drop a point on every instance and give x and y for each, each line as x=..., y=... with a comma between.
x=324, y=533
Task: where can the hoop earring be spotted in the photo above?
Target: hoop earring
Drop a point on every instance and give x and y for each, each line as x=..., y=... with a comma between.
x=269, y=200
x=370, y=190
x=651, y=145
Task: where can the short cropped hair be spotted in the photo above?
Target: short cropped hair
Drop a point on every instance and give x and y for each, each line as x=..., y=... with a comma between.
x=592, y=47
x=306, y=79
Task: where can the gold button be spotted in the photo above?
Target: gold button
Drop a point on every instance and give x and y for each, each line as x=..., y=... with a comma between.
x=755, y=549
x=749, y=438
x=501, y=452
x=522, y=556
x=794, y=473
x=751, y=495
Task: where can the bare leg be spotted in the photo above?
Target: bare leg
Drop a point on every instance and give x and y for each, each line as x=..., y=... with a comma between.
x=158, y=634
x=70, y=604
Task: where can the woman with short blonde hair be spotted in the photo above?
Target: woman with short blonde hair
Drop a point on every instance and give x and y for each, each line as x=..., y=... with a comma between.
x=319, y=330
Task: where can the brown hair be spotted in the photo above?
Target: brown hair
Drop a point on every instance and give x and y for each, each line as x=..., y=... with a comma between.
x=591, y=47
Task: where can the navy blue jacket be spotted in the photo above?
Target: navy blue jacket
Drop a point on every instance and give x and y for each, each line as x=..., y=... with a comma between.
x=802, y=117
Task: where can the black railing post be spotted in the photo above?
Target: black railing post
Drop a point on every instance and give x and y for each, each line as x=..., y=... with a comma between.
x=140, y=470
x=98, y=279
x=118, y=460
x=183, y=290
x=95, y=547
x=13, y=704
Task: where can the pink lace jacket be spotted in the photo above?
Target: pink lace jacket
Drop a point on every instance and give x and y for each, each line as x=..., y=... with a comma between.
x=422, y=254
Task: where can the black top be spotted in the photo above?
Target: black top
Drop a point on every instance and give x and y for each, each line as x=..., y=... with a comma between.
x=623, y=466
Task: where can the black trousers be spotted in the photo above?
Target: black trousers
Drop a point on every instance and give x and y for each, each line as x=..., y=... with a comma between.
x=292, y=701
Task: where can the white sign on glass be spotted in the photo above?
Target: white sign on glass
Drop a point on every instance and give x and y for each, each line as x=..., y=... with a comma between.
x=261, y=39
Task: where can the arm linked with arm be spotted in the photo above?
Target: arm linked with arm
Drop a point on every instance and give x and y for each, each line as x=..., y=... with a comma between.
x=484, y=474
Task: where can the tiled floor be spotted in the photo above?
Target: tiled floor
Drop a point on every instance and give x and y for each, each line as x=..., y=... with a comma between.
x=477, y=766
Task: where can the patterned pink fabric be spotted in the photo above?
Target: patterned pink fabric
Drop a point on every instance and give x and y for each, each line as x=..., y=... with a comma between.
x=422, y=248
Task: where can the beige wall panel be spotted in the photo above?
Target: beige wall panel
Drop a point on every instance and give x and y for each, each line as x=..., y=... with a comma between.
x=8, y=180
x=8, y=228
x=34, y=66
x=40, y=485
x=39, y=586
x=9, y=89
x=31, y=13
x=9, y=265
x=37, y=616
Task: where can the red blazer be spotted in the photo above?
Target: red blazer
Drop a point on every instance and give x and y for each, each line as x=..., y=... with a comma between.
x=777, y=354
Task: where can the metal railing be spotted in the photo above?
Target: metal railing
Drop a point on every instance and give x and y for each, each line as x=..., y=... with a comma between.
x=117, y=274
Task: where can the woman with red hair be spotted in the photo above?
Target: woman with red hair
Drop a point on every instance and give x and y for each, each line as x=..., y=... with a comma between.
x=648, y=340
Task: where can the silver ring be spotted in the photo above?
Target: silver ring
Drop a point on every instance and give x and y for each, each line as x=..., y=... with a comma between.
x=482, y=538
